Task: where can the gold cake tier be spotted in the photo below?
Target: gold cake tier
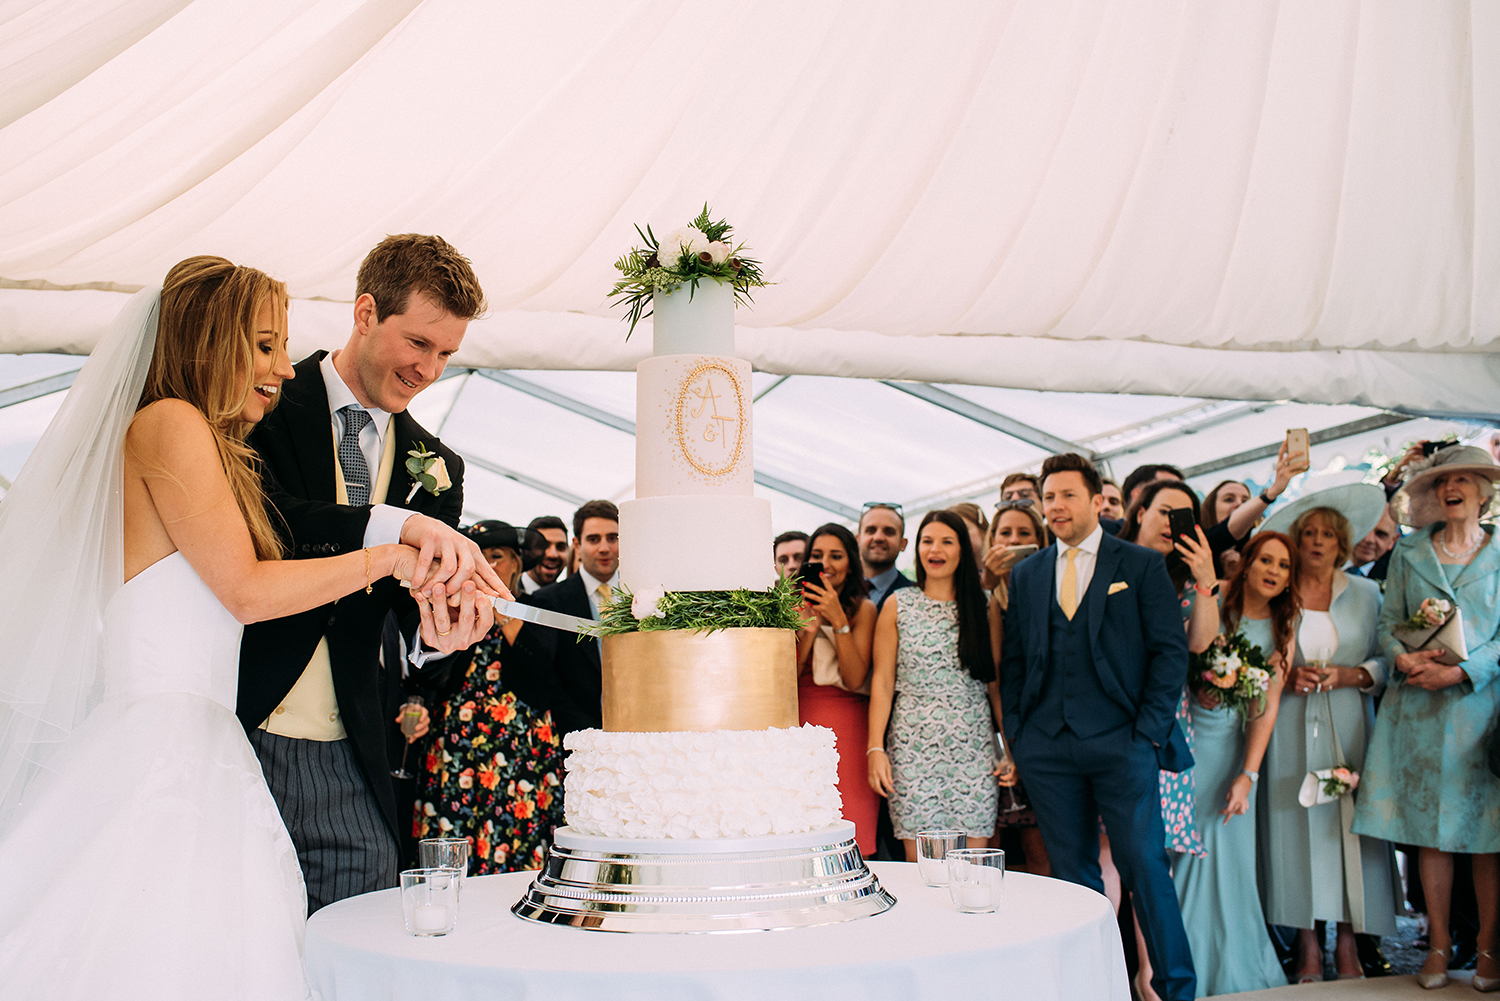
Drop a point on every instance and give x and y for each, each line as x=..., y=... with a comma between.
x=675, y=679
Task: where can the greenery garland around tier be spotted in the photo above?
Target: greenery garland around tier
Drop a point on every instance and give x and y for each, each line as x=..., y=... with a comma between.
x=1235, y=672
x=687, y=255
x=703, y=611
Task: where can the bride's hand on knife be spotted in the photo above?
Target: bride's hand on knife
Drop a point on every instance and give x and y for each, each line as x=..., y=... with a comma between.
x=447, y=556
x=444, y=632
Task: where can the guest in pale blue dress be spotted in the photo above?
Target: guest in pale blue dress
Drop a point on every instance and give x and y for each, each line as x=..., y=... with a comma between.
x=1324, y=722
x=1218, y=895
x=1426, y=781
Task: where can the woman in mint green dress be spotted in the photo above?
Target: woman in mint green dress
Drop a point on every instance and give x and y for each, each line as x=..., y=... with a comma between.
x=1218, y=895
x=1426, y=780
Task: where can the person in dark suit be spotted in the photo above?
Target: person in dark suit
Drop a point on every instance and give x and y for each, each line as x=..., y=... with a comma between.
x=882, y=537
x=311, y=691
x=1093, y=664
x=573, y=664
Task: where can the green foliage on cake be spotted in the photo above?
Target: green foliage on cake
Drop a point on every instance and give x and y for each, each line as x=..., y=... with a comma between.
x=780, y=607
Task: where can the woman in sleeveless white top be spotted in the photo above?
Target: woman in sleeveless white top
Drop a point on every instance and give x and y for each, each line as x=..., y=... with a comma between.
x=141, y=853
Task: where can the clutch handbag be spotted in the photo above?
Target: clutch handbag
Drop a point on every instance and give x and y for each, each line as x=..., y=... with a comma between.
x=1447, y=637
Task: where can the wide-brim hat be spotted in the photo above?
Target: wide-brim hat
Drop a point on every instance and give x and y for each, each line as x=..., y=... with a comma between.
x=1361, y=503
x=1416, y=503
x=527, y=543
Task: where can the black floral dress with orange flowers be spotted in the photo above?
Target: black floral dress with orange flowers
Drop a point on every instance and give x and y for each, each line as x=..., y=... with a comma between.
x=494, y=772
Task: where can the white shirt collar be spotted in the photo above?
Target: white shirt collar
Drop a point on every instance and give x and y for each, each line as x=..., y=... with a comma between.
x=591, y=583
x=341, y=396
x=1089, y=545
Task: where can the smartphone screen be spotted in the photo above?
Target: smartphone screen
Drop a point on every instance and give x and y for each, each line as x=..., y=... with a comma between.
x=1180, y=520
x=812, y=573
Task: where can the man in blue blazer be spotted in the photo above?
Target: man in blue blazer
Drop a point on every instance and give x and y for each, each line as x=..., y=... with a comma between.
x=1092, y=668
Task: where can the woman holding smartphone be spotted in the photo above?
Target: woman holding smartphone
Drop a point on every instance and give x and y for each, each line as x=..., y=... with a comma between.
x=833, y=665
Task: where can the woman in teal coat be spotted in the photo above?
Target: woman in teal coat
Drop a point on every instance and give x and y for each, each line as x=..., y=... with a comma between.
x=1426, y=781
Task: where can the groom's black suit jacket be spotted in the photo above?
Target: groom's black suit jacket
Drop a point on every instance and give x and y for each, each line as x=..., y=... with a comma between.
x=295, y=444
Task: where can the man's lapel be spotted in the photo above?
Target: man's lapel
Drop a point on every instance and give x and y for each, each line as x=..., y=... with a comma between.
x=1105, y=565
x=304, y=407
x=1041, y=603
x=406, y=432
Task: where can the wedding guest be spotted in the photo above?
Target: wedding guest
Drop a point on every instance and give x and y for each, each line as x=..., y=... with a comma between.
x=978, y=526
x=555, y=531
x=494, y=772
x=1093, y=664
x=1016, y=528
x=1019, y=485
x=933, y=684
x=1426, y=782
x=833, y=662
x=1371, y=554
x=1114, y=500
x=882, y=537
x=789, y=550
x=1217, y=891
x=1495, y=446
x=1220, y=503
x=1142, y=475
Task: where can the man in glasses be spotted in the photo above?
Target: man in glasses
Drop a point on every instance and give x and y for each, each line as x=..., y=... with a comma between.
x=882, y=537
x=1020, y=486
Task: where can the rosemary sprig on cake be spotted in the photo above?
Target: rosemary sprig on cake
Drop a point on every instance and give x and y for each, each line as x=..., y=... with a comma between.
x=705, y=611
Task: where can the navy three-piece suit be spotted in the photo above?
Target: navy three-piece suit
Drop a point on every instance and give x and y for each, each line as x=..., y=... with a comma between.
x=1090, y=706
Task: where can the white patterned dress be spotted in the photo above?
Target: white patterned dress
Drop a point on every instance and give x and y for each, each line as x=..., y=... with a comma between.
x=940, y=740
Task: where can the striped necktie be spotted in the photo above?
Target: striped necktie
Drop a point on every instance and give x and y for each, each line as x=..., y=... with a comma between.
x=351, y=459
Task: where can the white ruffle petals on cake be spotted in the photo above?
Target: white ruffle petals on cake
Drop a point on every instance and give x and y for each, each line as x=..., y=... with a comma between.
x=719, y=784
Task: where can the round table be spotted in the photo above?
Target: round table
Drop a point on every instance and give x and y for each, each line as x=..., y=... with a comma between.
x=1047, y=939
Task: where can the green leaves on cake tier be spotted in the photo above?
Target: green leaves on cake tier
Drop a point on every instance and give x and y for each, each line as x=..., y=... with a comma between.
x=700, y=250
x=703, y=611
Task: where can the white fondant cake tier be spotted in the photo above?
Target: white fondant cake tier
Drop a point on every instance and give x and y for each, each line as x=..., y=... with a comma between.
x=720, y=784
x=688, y=321
x=693, y=426
x=701, y=543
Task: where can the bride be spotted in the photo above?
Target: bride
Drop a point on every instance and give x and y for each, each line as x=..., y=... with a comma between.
x=140, y=850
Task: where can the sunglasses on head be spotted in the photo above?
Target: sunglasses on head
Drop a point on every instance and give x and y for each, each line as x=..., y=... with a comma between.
x=1014, y=502
x=871, y=505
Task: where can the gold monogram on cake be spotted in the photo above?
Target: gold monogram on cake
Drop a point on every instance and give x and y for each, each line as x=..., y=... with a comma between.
x=708, y=418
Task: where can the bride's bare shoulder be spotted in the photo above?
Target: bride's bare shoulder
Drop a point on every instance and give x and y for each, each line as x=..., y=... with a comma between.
x=167, y=426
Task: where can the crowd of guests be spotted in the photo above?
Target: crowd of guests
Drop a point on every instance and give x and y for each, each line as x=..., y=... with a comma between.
x=1060, y=626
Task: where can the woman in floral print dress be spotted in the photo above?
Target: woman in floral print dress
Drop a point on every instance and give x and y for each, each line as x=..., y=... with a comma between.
x=494, y=773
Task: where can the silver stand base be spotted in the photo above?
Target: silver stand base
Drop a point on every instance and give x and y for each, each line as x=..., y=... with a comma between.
x=727, y=885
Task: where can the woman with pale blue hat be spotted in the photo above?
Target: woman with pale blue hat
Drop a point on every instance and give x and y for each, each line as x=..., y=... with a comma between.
x=1426, y=781
x=1314, y=869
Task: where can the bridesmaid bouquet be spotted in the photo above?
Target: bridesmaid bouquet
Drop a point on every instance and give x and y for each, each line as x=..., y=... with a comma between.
x=1235, y=671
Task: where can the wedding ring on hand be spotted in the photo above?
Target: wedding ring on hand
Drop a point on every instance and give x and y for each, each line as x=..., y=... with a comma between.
x=450, y=629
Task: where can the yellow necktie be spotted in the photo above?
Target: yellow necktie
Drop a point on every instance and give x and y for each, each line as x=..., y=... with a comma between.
x=605, y=593
x=1067, y=595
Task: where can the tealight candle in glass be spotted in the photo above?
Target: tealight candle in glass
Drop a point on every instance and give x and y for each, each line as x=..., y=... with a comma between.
x=429, y=900
x=932, y=847
x=974, y=878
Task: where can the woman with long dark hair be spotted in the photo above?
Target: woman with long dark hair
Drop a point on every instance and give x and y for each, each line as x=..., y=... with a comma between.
x=833, y=665
x=934, y=684
x=1220, y=901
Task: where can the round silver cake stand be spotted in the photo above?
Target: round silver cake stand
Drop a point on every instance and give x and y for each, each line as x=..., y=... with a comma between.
x=704, y=885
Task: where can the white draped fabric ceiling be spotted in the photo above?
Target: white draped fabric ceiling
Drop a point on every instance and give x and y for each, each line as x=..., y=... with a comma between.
x=1255, y=200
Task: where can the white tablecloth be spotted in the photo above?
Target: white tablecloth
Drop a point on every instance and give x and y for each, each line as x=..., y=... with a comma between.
x=1047, y=939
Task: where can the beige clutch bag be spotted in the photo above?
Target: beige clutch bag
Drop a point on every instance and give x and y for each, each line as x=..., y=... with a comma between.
x=1448, y=637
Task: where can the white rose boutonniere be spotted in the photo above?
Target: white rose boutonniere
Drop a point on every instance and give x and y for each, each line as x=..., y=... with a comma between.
x=428, y=471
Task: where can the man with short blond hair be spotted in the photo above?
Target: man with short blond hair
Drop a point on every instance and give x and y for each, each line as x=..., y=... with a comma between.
x=882, y=537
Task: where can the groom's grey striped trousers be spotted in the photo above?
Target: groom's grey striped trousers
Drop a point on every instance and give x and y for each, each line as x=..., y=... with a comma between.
x=342, y=840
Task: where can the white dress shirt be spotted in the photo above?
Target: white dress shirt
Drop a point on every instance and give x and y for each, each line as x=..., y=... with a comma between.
x=529, y=584
x=591, y=588
x=1083, y=563
x=384, y=526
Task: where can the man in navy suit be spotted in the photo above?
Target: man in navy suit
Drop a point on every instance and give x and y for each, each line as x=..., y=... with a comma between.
x=1092, y=668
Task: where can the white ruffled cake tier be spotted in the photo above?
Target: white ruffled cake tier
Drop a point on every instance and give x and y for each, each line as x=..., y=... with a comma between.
x=718, y=784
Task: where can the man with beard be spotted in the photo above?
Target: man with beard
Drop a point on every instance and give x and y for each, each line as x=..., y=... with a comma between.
x=882, y=537
x=555, y=531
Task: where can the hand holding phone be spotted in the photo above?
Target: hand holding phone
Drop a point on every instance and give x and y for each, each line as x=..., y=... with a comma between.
x=1298, y=449
x=1181, y=524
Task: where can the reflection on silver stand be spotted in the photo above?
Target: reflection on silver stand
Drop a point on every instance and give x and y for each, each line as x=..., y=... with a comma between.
x=704, y=885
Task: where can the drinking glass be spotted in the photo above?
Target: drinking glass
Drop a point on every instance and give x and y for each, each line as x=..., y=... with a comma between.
x=932, y=846
x=429, y=900
x=411, y=715
x=1007, y=765
x=445, y=853
x=974, y=878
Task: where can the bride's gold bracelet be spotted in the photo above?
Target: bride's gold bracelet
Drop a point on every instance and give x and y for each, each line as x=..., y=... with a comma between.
x=369, y=585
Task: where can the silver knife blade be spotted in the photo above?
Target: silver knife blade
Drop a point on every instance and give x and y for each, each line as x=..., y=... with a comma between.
x=543, y=617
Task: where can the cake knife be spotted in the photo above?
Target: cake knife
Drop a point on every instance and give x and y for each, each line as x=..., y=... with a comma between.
x=543, y=617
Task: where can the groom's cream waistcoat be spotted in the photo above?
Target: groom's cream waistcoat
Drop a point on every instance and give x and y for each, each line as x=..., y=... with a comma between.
x=310, y=710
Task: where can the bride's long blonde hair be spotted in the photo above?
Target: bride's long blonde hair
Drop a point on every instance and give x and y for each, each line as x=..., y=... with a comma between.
x=205, y=354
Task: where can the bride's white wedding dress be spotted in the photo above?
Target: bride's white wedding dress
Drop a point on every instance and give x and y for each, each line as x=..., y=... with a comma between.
x=150, y=860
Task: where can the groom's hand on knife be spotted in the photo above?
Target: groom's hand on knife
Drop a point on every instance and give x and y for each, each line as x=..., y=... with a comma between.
x=446, y=556
x=441, y=632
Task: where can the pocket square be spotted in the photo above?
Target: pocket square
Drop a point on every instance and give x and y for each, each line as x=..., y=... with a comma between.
x=1118, y=585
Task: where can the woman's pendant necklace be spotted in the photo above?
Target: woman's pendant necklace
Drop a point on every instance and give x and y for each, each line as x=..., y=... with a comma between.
x=1443, y=545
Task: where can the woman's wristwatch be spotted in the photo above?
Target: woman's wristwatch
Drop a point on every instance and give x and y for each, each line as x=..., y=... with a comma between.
x=1254, y=777
x=843, y=630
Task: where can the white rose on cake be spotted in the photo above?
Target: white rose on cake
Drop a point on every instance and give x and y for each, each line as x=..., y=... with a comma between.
x=643, y=604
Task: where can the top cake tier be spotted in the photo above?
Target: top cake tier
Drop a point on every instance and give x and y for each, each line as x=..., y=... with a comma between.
x=693, y=426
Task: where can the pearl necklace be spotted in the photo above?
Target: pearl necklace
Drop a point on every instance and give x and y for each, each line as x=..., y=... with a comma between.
x=1466, y=553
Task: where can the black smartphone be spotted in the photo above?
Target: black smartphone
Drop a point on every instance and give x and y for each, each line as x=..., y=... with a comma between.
x=811, y=573
x=1428, y=447
x=1180, y=520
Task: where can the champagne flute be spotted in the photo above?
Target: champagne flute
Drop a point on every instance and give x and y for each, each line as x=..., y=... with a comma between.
x=1007, y=768
x=411, y=715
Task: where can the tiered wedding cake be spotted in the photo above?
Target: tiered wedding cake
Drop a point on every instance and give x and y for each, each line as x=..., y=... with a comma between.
x=701, y=805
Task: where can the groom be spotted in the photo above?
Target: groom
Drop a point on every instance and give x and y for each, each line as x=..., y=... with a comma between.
x=335, y=453
x=1092, y=667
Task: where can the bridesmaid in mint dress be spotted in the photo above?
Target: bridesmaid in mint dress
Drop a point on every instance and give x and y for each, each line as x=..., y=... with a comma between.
x=1218, y=894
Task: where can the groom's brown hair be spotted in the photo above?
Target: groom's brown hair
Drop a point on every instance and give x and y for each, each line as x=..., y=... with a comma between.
x=413, y=264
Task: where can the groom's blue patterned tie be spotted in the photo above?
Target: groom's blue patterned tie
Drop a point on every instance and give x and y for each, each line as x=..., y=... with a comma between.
x=351, y=459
